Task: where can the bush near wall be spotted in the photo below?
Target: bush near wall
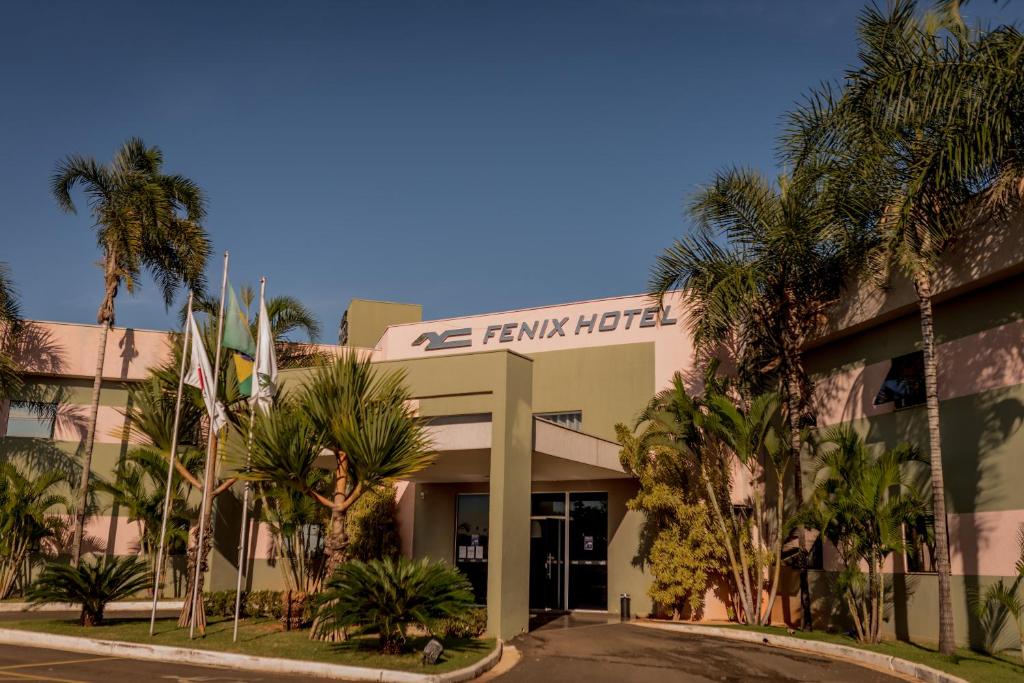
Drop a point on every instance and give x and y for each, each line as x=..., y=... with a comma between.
x=372, y=526
x=265, y=604
x=471, y=625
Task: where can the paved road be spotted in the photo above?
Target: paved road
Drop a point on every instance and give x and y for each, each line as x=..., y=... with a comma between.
x=571, y=649
x=34, y=664
x=566, y=649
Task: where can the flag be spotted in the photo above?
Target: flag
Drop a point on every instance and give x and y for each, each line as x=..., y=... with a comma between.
x=201, y=376
x=238, y=338
x=265, y=370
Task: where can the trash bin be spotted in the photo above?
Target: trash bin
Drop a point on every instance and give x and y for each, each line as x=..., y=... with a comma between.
x=624, y=607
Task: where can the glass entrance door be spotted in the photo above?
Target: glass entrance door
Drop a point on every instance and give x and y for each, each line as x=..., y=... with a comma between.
x=547, y=563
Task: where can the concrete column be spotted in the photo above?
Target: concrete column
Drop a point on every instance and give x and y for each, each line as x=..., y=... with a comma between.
x=508, y=564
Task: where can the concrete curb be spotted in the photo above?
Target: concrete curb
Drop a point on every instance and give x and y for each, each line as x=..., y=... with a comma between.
x=867, y=658
x=122, y=606
x=273, y=665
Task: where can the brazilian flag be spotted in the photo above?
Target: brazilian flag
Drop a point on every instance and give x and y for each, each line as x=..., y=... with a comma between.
x=238, y=338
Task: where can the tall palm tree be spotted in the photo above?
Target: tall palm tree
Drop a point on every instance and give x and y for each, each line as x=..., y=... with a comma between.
x=145, y=220
x=10, y=324
x=921, y=141
x=288, y=317
x=760, y=271
x=359, y=414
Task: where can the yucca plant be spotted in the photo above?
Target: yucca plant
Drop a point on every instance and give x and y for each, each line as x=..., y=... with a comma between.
x=363, y=418
x=385, y=596
x=92, y=584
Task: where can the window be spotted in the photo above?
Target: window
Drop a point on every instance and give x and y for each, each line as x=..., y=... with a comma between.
x=904, y=384
x=572, y=419
x=31, y=419
x=920, y=553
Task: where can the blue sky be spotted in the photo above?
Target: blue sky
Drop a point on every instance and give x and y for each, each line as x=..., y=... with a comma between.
x=467, y=155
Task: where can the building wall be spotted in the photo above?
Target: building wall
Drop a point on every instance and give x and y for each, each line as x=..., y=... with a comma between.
x=59, y=360
x=981, y=390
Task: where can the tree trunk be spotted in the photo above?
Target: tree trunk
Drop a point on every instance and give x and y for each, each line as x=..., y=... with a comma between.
x=793, y=367
x=90, y=438
x=185, y=615
x=947, y=641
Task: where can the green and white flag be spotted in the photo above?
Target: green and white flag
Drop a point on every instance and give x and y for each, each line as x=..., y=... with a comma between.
x=238, y=338
x=265, y=369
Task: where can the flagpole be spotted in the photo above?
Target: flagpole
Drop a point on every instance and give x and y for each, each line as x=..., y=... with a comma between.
x=170, y=466
x=209, y=470
x=243, y=536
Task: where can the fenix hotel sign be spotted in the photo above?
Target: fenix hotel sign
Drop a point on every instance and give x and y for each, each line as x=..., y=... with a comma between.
x=547, y=328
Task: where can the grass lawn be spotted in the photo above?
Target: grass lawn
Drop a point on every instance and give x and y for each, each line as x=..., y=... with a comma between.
x=967, y=664
x=267, y=638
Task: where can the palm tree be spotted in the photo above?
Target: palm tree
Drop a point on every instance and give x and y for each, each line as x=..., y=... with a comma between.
x=705, y=435
x=760, y=271
x=288, y=316
x=920, y=141
x=862, y=504
x=10, y=324
x=363, y=418
x=28, y=503
x=145, y=220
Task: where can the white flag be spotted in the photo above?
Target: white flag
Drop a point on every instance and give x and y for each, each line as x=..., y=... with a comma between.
x=201, y=376
x=264, y=371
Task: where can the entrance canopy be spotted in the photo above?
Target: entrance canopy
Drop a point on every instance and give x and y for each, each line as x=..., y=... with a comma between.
x=463, y=445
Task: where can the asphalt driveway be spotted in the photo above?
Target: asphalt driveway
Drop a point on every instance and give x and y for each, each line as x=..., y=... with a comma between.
x=588, y=648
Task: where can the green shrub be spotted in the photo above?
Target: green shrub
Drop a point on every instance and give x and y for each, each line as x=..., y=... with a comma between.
x=222, y=603
x=264, y=604
x=472, y=624
x=372, y=526
x=92, y=584
x=385, y=596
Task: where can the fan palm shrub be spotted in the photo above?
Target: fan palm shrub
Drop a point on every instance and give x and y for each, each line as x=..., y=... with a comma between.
x=92, y=584
x=145, y=220
x=862, y=503
x=386, y=596
x=30, y=503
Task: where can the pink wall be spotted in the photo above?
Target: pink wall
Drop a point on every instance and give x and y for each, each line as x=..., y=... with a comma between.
x=980, y=362
x=69, y=350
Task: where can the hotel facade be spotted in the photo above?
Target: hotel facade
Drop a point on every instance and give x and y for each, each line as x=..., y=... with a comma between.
x=527, y=496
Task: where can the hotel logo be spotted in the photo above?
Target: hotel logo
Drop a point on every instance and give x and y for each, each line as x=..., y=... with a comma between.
x=609, y=321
